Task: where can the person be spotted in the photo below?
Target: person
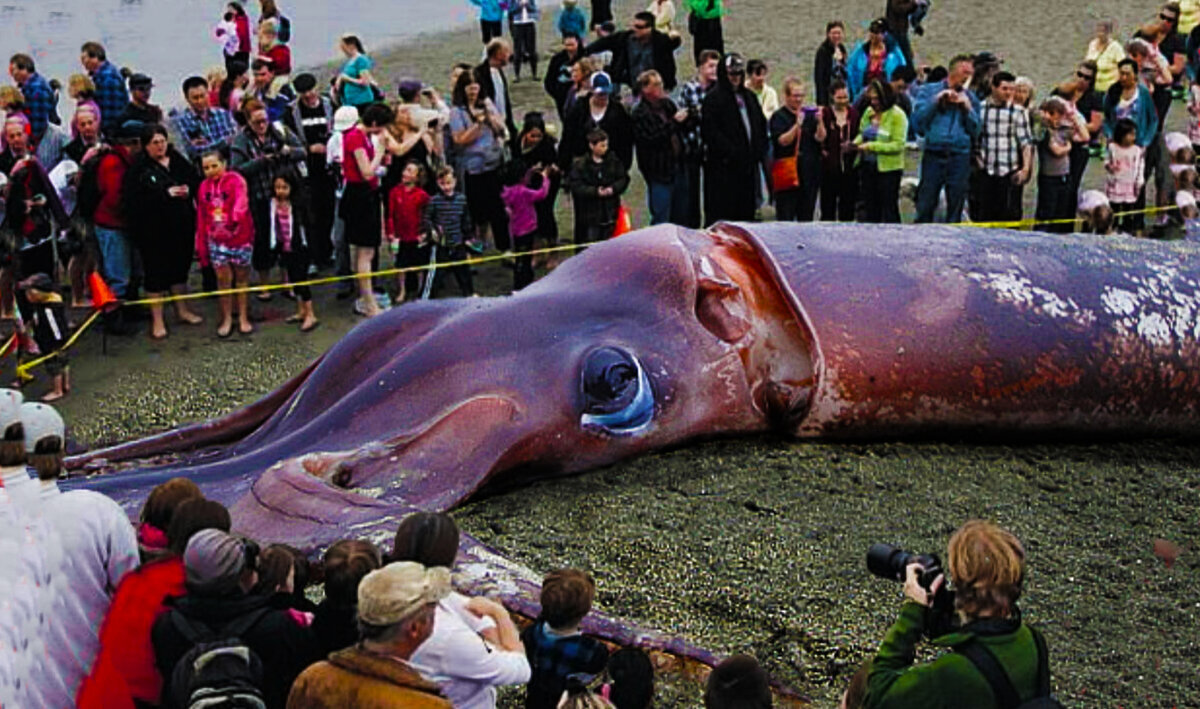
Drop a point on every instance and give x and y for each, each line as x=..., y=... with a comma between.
x=202, y=126
x=601, y=13
x=290, y=225
x=270, y=11
x=124, y=673
x=405, y=211
x=597, y=181
x=1171, y=43
x=1107, y=53
x=241, y=21
x=664, y=15
x=1005, y=154
x=1131, y=99
x=493, y=83
x=311, y=118
x=157, y=513
x=448, y=217
x=947, y=115
x=704, y=24
x=738, y=682
x=1154, y=71
x=491, y=14
x=397, y=607
x=1193, y=122
x=897, y=16
x=262, y=151
x=345, y=564
x=639, y=49
x=478, y=131
x=219, y=572
x=1054, y=200
x=630, y=679
x=271, y=90
x=1081, y=93
x=110, y=220
x=657, y=134
x=795, y=172
x=987, y=65
x=830, y=62
x=360, y=206
x=756, y=81
x=355, y=84
x=571, y=20
x=578, y=695
x=520, y=200
x=111, y=94
x=139, y=107
x=415, y=138
x=272, y=50
x=158, y=193
x=553, y=643
x=225, y=236
x=872, y=59
x=344, y=118
x=987, y=565
x=45, y=313
x=691, y=99
x=522, y=23
x=601, y=112
x=233, y=89
x=558, y=80
x=882, y=132
x=1125, y=177
x=1023, y=90
x=839, y=176
x=1095, y=213
x=39, y=97
x=735, y=138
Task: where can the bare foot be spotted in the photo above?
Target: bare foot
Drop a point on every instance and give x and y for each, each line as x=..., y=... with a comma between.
x=158, y=333
x=225, y=329
x=190, y=318
x=53, y=396
x=309, y=324
x=245, y=327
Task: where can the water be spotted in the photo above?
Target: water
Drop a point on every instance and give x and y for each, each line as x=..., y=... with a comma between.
x=172, y=39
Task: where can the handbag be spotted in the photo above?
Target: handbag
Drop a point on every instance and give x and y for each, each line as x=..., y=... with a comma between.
x=785, y=173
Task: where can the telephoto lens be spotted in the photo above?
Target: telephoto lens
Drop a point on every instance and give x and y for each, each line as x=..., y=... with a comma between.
x=890, y=562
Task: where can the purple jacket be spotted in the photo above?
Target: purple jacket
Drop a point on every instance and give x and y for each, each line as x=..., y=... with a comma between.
x=519, y=200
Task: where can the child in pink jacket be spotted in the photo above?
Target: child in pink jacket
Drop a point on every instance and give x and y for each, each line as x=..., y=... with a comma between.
x=225, y=236
x=521, y=202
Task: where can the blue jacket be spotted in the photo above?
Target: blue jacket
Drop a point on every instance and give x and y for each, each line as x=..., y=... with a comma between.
x=514, y=9
x=1145, y=117
x=856, y=66
x=489, y=10
x=951, y=128
x=571, y=20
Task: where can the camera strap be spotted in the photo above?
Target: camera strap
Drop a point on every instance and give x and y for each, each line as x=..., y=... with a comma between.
x=991, y=669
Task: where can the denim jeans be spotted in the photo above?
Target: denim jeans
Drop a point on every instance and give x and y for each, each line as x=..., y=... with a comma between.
x=941, y=169
x=668, y=200
x=116, y=258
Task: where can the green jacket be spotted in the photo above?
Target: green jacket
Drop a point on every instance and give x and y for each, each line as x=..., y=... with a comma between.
x=950, y=681
x=893, y=129
x=706, y=9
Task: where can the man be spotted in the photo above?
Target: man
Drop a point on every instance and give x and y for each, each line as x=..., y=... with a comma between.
x=704, y=23
x=735, y=141
x=598, y=112
x=657, y=134
x=493, y=83
x=947, y=114
x=897, y=21
x=638, y=50
x=1005, y=155
x=140, y=108
x=557, y=81
x=111, y=95
x=39, y=97
x=116, y=250
x=691, y=99
x=311, y=117
x=1173, y=47
x=756, y=81
x=272, y=90
x=201, y=126
x=396, y=607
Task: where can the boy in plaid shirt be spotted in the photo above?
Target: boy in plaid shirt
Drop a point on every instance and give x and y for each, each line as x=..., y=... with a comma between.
x=553, y=644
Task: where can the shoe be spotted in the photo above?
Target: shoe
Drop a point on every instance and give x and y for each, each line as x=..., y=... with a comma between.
x=383, y=300
x=360, y=308
x=475, y=246
x=313, y=269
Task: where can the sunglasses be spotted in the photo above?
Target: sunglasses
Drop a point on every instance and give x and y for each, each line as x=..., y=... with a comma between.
x=1168, y=18
x=1082, y=75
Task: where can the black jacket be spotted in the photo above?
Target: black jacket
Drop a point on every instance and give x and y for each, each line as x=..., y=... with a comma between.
x=152, y=214
x=557, y=81
x=733, y=158
x=578, y=123
x=825, y=70
x=659, y=140
x=488, y=88
x=587, y=177
x=663, y=48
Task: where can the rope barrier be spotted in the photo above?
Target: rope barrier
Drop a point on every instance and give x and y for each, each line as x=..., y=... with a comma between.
x=23, y=369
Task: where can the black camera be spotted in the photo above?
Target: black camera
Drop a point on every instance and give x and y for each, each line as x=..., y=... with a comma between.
x=891, y=562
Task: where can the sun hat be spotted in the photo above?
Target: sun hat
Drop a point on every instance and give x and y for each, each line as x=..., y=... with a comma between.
x=394, y=593
x=345, y=118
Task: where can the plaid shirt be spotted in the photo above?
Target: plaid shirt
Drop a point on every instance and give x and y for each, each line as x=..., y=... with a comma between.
x=1003, y=135
x=111, y=96
x=39, y=99
x=691, y=97
x=552, y=658
x=203, y=133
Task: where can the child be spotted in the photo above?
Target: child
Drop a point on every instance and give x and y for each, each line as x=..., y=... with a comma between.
x=1193, y=109
x=631, y=679
x=406, y=212
x=1186, y=202
x=226, y=33
x=1095, y=212
x=1126, y=176
x=739, y=681
x=48, y=316
x=553, y=644
x=597, y=181
x=289, y=239
x=1054, y=167
x=225, y=236
x=447, y=217
x=520, y=200
x=571, y=19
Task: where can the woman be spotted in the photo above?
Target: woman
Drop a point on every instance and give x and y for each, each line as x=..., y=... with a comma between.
x=410, y=143
x=1106, y=53
x=839, y=179
x=522, y=24
x=536, y=147
x=335, y=622
x=270, y=11
x=872, y=60
x=581, y=76
x=830, y=64
x=1129, y=98
x=1081, y=92
x=789, y=127
x=1023, y=91
x=360, y=206
x=159, y=191
x=479, y=134
x=354, y=84
x=987, y=565
x=560, y=74
x=880, y=147
x=241, y=22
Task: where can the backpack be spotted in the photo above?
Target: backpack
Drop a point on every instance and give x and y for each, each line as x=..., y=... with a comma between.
x=284, y=35
x=220, y=671
x=1002, y=687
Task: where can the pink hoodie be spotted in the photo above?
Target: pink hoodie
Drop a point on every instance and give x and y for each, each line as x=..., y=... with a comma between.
x=519, y=200
x=223, y=214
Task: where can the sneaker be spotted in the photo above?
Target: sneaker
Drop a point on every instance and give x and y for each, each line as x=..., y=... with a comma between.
x=475, y=246
x=383, y=300
x=360, y=308
x=313, y=269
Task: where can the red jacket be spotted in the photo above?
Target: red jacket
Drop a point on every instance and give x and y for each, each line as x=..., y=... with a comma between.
x=124, y=669
x=243, y=33
x=281, y=58
x=110, y=173
x=406, y=209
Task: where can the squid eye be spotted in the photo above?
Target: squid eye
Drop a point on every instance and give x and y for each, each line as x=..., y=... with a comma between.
x=616, y=391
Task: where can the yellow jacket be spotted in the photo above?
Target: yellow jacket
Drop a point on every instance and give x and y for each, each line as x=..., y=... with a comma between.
x=1189, y=15
x=356, y=678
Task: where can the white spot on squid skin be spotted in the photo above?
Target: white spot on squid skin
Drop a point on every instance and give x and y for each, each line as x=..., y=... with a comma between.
x=1154, y=328
x=1012, y=287
x=1118, y=301
x=706, y=267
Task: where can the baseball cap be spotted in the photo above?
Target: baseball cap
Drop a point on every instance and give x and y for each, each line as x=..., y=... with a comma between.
x=10, y=408
x=344, y=118
x=41, y=421
x=389, y=595
x=213, y=561
x=140, y=80
x=304, y=82
x=601, y=83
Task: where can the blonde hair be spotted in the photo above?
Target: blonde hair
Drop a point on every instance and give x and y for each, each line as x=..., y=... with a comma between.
x=10, y=95
x=987, y=564
x=215, y=76
x=79, y=83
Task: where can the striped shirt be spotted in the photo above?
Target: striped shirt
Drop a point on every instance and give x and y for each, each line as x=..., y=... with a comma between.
x=1003, y=135
x=449, y=216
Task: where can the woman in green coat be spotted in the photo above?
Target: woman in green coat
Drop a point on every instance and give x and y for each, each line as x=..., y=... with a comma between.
x=880, y=144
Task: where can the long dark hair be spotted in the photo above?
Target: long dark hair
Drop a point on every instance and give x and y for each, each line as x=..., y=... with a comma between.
x=299, y=195
x=237, y=8
x=429, y=538
x=236, y=70
x=354, y=41
x=459, y=97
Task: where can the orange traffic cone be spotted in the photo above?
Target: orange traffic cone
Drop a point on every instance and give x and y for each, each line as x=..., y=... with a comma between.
x=624, y=222
x=102, y=295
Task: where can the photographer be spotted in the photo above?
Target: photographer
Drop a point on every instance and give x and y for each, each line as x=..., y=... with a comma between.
x=987, y=564
x=947, y=116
